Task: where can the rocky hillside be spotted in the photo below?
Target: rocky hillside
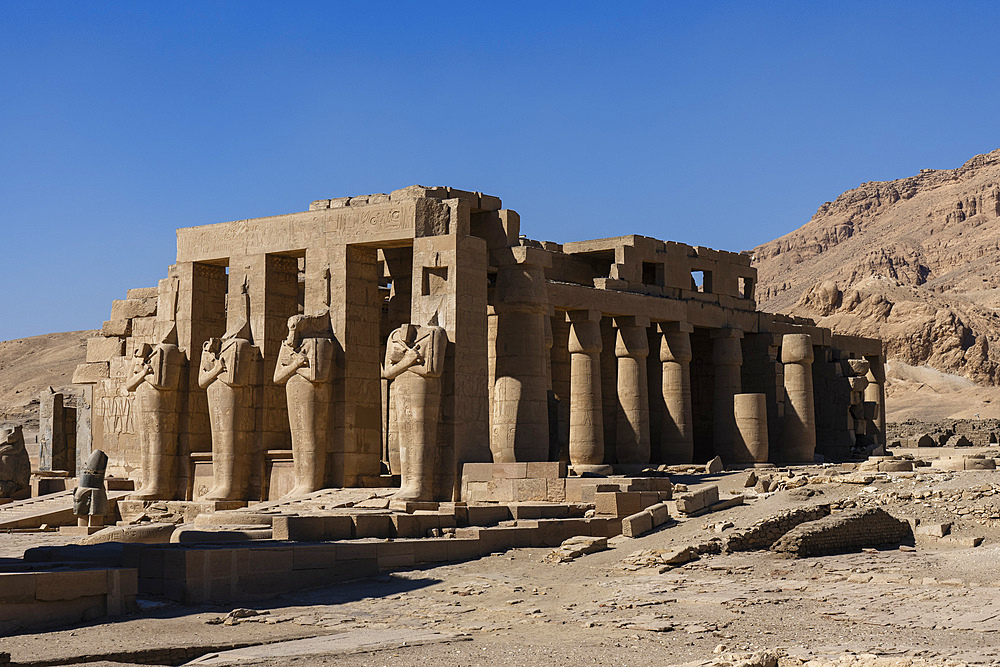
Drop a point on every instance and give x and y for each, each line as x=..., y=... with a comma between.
x=914, y=261
x=29, y=365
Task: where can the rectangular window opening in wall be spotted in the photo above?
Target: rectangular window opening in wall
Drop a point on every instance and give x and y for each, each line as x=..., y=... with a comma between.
x=746, y=288
x=652, y=273
x=435, y=281
x=701, y=281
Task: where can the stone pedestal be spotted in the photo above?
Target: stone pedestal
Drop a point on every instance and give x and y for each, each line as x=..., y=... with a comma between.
x=632, y=348
x=750, y=412
x=727, y=357
x=799, y=427
x=677, y=429
x=586, y=423
x=520, y=391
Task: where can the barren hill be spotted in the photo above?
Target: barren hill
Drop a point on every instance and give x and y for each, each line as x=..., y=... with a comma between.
x=29, y=365
x=915, y=261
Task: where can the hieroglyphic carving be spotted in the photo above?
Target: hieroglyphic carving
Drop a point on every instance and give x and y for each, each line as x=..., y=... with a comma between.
x=116, y=407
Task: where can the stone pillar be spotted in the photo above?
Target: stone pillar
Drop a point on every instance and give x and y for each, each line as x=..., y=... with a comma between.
x=84, y=428
x=750, y=412
x=520, y=394
x=54, y=451
x=727, y=357
x=560, y=359
x=874, y=392
x=632, y=348
x=799, y=429
x=586, y=423
x=677, y=430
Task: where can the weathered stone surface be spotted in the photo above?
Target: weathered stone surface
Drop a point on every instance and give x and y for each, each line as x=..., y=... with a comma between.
x=15, y=466
x=851, y=530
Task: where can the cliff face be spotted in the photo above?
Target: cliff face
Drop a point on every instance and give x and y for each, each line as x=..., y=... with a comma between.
x=914, y=261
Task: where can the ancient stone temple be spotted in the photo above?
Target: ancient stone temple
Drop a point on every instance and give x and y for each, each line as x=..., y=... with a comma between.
x=392, y=338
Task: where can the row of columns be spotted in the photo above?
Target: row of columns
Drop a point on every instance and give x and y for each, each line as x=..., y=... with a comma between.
x=586, y=427
x=520, y=430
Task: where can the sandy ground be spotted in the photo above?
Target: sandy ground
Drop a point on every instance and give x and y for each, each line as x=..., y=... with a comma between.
x=939, y=602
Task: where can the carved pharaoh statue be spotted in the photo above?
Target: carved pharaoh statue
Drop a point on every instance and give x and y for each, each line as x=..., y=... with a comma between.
x=414, y=361
x=305, y=367
x=156, y=378
x=15, y=466
x=90, y=498
x=227, y=370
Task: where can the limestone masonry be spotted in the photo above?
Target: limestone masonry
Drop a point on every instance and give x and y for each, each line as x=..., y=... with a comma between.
x=393, y=338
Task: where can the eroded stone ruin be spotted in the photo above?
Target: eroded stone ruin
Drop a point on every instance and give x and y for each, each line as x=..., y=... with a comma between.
x=392, y=338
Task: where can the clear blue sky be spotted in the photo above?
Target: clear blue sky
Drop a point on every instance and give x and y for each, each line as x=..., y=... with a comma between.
x=714, y=123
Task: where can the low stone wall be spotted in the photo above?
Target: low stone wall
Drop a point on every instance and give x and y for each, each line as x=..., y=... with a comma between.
x=31, y=600
x=844, y=532
x=766, y=532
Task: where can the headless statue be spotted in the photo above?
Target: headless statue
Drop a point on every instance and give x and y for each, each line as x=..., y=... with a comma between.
x=155, y=379
x=414, y=361
x=227, y=371
x=15, y=465
x=305, y=367
x=90, y=498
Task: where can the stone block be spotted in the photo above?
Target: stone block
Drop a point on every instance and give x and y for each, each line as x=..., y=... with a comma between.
x=477, y=472
x=687, y=503
x=933, y=529
x=660, y=514
x=314, y=556
x=546, y=470
x=373, y=525
x=70, y=585
x=555, y=490
x=979, y=464
x=431, y=550
x=895, y=466
x=487, y=515
x=103, y=349
x=510, y=470
x=120, y=328
x=617, y=503
x=529, y=489
x=91, y=373
x=126, y=309
x=142, y=293
x=637, y=524
x=392, y=555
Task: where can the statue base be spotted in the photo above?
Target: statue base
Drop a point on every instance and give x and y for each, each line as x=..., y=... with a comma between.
x=81, y=531
x=187, y=510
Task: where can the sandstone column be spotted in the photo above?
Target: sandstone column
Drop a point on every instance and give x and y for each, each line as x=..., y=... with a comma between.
x=586, y=423
x=799, y=437
x=874, y=392
x=677, y=431
x=750, y=411
x=632, y=348
x=520, y=393
x=727, y=357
